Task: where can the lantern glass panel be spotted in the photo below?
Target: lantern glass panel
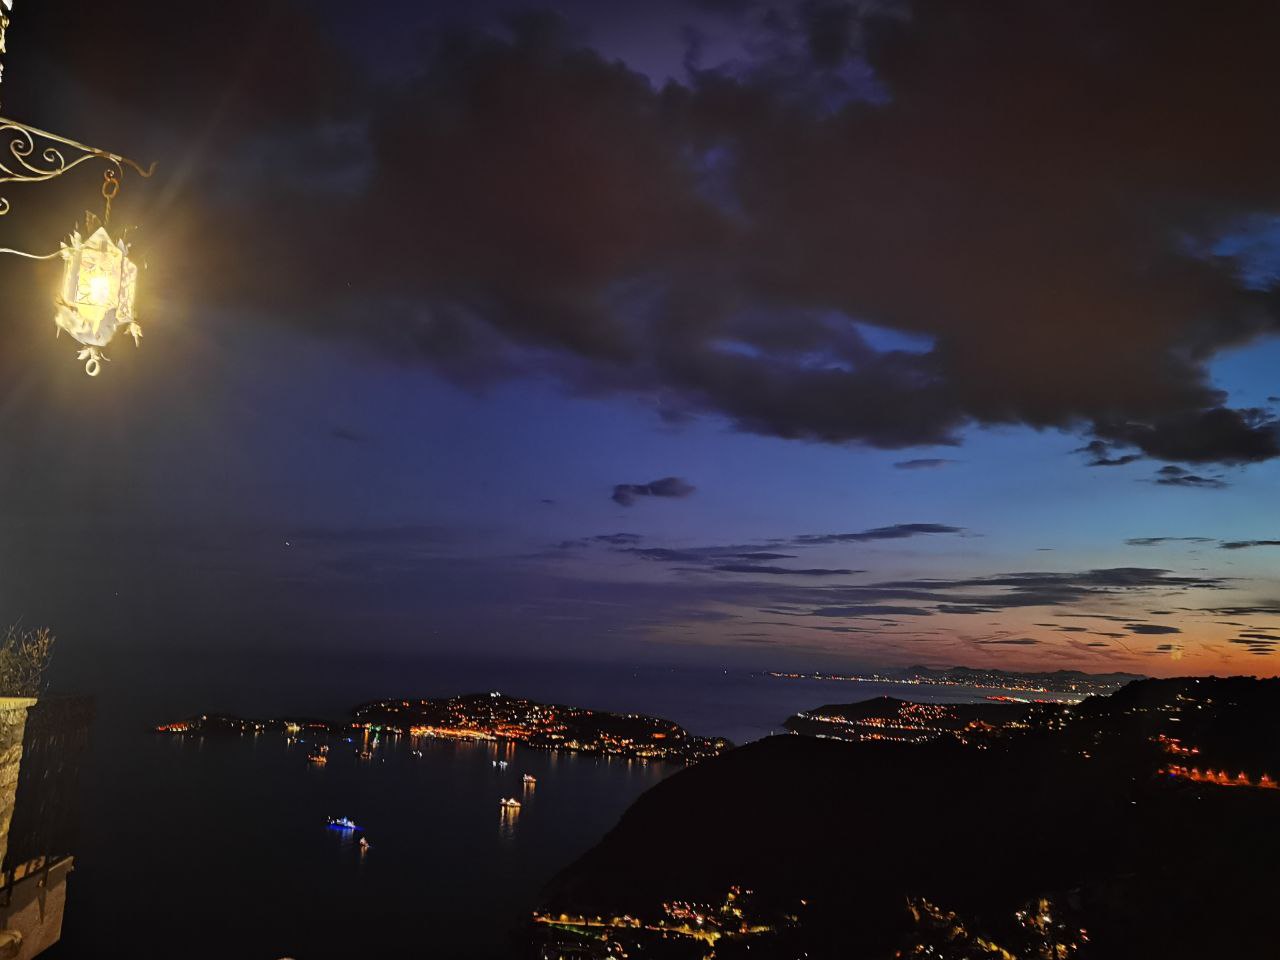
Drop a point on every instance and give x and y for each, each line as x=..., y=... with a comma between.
x=98, y=286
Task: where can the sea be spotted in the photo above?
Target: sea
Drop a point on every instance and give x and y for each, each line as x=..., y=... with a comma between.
x=219, y=847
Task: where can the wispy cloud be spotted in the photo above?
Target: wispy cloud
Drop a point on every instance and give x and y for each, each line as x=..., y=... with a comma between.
x=897, y=531
x=1174, y=476
x=1156, y=541
x=783, y=571
x=924, y=463
x=626, y=494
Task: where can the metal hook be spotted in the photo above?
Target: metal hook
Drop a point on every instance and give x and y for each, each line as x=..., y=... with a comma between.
x=110, y=187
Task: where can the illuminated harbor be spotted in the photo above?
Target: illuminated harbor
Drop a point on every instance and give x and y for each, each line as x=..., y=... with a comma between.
x=481, y=718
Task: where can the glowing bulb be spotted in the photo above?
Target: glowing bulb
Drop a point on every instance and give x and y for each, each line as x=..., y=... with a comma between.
x=99, y=290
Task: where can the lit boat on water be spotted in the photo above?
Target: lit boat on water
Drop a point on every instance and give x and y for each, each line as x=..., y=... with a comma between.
x=342, y=823
x=511, y=803
x=530, y=779
x=317, y=758
x=365, y=754
x=500, y=764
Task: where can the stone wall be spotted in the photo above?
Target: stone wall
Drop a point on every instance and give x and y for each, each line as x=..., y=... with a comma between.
x=13, y=721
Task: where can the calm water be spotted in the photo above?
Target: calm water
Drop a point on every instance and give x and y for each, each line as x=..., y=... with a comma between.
x=218, y=847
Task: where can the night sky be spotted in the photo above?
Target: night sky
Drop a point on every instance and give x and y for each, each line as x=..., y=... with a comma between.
x=720, y=332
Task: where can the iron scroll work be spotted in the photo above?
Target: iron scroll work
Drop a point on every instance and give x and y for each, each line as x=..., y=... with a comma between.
x=30, y=155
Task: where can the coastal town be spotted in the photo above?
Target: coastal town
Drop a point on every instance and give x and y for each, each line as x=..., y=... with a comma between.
x=888, y=719
x=486, y=716
x=1118, y=774
x=1059, y=686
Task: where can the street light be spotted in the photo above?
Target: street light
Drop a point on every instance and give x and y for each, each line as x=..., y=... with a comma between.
x=99, y=280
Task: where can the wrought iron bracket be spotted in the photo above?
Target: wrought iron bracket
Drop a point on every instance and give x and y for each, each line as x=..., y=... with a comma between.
x=28, y=154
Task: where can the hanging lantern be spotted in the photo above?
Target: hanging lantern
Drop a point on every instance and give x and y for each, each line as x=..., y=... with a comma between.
x=96, y=298
x=98, y=285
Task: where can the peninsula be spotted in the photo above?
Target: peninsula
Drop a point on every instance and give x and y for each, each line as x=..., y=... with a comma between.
x=487, y=716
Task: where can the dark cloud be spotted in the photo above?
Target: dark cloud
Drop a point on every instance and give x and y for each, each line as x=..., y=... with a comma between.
x=1012, y=641
x=515, y=204
x=617, y=539
x=1097, y=616
x=1151, y=629
x=924, y=463
x=967, y=596
x=1267, y=608
x=1036, y=588
x=1156, y=541
x=1167, y=647
x=1097, y=643
x=1100, y=455
x=1256, y=647
x=1247, y=544
x=899, y=531
x=626, y=494
x=1210, y=436
x=706, y=554
x=869, y=610
x=1175, y=476
x=783, y=571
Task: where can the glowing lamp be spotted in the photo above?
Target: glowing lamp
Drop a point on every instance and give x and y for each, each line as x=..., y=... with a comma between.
x=95, y=301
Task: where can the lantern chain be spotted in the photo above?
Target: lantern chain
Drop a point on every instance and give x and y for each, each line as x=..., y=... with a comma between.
x=110, y=187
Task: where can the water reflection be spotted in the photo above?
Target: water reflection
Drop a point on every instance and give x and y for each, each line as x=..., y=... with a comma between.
x=507, y=819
